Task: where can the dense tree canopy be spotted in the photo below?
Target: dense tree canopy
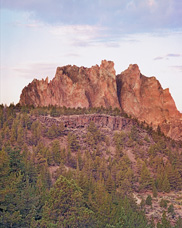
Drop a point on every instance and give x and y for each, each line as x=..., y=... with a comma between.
x=54, y=176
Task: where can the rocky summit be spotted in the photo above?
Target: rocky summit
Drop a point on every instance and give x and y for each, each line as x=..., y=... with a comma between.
x=137, y=95
x=143, y=98
x=75, y=87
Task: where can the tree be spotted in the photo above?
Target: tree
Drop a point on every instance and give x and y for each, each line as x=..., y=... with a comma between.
x=20, y=137
x=18, y=200
x=166, y=185
x=14, y=132
x=154, y=190
x=178, y=223
x=93, y=134
x=36, y=132
x=171, y=210
x=163, y=203
x=149, y=200
x=61, y=128
x=165, y=222
x=125, y=187
x=110, y=184
x=56, y=152
x=134, y=133
x=145, y=179
x=73, y=142
x=52, y=132
x=64, y=206
x=174, y=178
x=50, y=158
x=130, y=217
x=4, y=172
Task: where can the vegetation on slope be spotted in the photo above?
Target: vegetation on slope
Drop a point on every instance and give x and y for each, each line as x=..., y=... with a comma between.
x=52, y=176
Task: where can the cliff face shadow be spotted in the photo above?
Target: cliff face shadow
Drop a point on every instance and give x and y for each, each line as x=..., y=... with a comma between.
x=88, y=97
x=118, y=87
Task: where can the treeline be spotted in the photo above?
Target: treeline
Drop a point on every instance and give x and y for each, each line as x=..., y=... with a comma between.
x=91, y=186
x=56, y=111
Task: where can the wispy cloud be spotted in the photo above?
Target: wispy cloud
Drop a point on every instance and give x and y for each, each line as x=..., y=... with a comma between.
x=31, y=24
x=171, y=55
x=77, y=35
x=82, y=31
x=112, y=44
x=158, y=58
x=128, y=16
x=179, y=68
x=72, y=55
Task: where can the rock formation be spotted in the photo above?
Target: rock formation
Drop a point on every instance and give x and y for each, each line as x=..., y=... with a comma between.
x=143, y=98
x=137, y=95
x=75, y=87
x=82, y=121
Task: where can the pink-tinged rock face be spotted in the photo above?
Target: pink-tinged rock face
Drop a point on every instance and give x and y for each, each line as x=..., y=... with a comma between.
x=75, y=87
x=137, y=95
x=144, y=99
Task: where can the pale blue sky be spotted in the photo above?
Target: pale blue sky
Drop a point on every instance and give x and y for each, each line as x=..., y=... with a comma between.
x=36, y=36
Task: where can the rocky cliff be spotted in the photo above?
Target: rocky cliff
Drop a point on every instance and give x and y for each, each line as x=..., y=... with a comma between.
x=143, y=98
x=137, y=95
x=82, y=121
x=75, y=87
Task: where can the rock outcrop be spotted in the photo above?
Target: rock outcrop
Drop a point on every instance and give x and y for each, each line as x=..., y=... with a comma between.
x=143, y=98
x=137, y=95
x=82, y=121
x=75, y=87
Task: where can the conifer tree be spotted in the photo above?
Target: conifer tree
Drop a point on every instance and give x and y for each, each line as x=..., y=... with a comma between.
x=149, y=200
x=20, y=137
x=145, y=180
x=154, y=190
x=56, y=151
x=174, y=177
x=165, y=222
x=36, y=132
x=64, y=206
x=166, y=185
x=110, y=184
x=171, y=210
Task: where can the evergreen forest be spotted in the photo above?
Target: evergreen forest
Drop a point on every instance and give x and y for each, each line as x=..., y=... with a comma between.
x=53, y=176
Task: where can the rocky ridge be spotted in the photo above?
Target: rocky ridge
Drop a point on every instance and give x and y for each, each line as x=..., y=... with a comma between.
x=144, y=98
x=75, y=87
x=82, y=121
x=137, y=95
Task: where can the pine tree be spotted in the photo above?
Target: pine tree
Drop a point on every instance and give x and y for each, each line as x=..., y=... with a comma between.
x=52, y=132
x=154, y=190
x=149, y=200
x=178, y=223
x=14, y=134
x=64, y=206
x=174, y=177
x=56, y=152
x=20, y=137
x=110, y=184
x=171, y=210
x=10, y=180
x=166, y=185
x=165, y=222
x=145, y=179
x=163, y=203
x=36, y=132
x=50, y=158
x=4, y=172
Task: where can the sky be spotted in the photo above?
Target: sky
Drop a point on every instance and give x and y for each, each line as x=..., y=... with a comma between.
x=37, y=36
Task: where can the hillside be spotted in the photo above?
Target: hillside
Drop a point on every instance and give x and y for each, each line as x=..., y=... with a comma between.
x=114, y=170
